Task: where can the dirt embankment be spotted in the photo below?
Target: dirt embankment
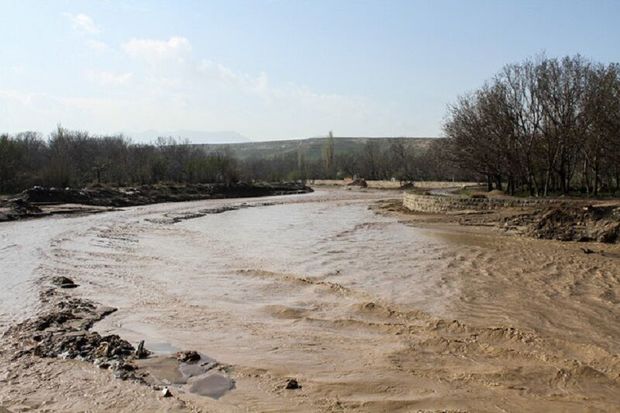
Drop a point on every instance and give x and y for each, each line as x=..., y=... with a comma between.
x=570, y=220
x=389, y=184
x=39, y=201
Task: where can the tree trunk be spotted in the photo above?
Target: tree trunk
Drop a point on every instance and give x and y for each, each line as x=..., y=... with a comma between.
x=498, y=182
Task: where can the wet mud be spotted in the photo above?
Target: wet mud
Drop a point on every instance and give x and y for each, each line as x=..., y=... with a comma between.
x=38, y=201
x=317, y=303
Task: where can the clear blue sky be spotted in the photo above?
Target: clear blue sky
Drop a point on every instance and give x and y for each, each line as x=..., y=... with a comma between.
x=274, y=69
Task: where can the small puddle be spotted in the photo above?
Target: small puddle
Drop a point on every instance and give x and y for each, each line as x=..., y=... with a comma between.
x=196, y=377
x=161, y=347
x=213, y=385
x=197, y=368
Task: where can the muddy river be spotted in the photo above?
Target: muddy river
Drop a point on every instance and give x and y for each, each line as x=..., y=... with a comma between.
x=369, y=312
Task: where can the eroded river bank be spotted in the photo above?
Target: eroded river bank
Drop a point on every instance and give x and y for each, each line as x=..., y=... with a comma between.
x=367, y=312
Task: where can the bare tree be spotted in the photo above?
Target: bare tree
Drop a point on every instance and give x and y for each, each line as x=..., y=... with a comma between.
x=545, y=125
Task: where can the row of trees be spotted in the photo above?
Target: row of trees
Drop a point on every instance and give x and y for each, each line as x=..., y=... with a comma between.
x=400, y=159
x=74, y=158
x=543, y=126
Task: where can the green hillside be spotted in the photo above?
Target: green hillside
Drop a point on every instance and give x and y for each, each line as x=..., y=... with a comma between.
x=312, y=146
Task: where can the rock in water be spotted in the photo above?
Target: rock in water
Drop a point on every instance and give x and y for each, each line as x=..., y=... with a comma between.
x=103, y=351
x=292, y=384
x=63, y=282
x=187, y=356
x=141, y=352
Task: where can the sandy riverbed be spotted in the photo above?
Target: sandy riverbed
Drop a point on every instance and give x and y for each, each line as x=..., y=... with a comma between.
x=368, y=312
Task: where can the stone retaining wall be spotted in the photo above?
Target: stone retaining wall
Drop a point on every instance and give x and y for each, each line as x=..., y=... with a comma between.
x=438, y=204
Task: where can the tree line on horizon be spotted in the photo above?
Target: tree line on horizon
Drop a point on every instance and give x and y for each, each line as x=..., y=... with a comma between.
x=377, y=159
x=542, y=127
x=77, y=159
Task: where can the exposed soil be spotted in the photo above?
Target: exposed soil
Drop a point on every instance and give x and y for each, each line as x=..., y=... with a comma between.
x=361, y=182
x=316, y=303
x=575, y=220
x=17, y=209
x=39, y=201
x=572, y=222
x=62, y=330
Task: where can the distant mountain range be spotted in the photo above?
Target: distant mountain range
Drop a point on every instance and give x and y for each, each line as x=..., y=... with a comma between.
x=312, y=147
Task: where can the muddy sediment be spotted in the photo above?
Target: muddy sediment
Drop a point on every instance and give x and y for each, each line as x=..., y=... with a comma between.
x=40, y=201
x=575, y=220
x=316, y=303
x=570, y=222
x=18, y=208
x=63, y=330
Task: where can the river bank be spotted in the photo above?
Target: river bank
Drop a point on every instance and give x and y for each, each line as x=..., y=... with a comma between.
x=582, y=220
x=39, y=201
x=367, y=312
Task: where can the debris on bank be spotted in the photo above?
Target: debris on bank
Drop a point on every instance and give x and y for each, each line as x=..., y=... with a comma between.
x=63, y=282
x=18, y=208
x=187, y=356
x=150, y=194
x=35, y=202
x=570, y=222
x=563, y=220
x=292, y=384
x=63, y=330
x=361, y=182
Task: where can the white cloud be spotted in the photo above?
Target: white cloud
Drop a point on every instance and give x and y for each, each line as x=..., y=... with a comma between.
x=246, y=82
x=168, y=89
x=109, y=78
x=15, y=96
x=83, y=23
x=97, y=45
x=202, y=104
x=152, y=49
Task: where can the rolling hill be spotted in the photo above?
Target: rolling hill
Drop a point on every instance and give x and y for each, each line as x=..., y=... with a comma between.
x=312, y=146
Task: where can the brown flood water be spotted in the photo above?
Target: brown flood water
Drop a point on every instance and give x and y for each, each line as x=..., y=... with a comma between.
x=367, y=312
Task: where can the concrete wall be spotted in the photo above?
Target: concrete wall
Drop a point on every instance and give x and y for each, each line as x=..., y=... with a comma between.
x=438, y=204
